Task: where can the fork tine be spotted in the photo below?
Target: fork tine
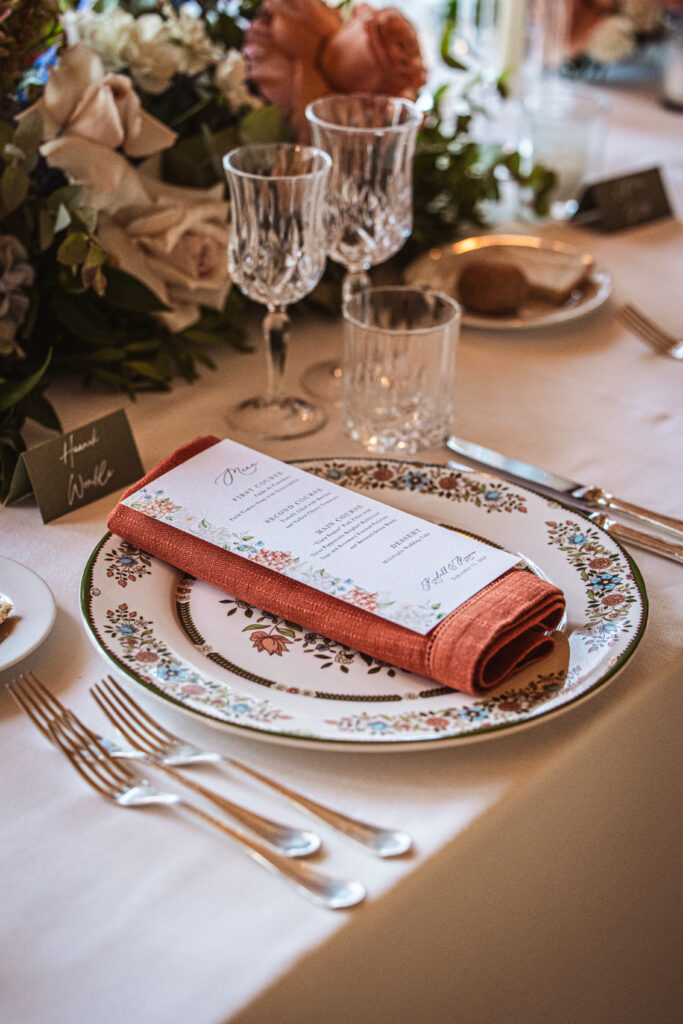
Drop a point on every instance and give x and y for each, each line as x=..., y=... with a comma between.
x=645, y=321
x=154, y=728
x=124, y=720
x=39, y=703
x=646, y=330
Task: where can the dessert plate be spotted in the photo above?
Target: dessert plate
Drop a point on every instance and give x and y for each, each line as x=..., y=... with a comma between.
x=438, y=269
x=248, y=671
x=33, y=614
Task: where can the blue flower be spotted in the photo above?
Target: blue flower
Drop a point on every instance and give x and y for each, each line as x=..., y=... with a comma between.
x=310, y=638
x=377, y=726
x=241, y=708
x=127, y=630
x=416, y=481
x=125, y=560
x=492, y=495
x=334, y=474
x=577, y=538
x=605, y=581
x=171, y=672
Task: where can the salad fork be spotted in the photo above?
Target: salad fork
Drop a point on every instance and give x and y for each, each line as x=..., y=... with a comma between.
x=145, y=734
x=650, y=332
x=292, y=842
x=117, y=783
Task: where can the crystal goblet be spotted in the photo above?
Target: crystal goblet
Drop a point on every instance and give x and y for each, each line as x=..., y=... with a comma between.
x=369, y=197
x=276, y=256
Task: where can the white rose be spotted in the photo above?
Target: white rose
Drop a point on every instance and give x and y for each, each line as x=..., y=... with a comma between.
x=197, y=51
x=151, y=54
x=611, y=40
x=177, y=246
x=231, y=80
x=81, y=100
x=106, y=34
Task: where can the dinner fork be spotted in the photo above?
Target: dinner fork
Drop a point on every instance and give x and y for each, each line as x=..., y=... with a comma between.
x=116, y=782
x=657, y=338
x=292, y=842
x=144, y=733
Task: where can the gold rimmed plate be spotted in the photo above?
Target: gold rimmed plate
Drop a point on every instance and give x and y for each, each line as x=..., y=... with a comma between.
x=439, y=269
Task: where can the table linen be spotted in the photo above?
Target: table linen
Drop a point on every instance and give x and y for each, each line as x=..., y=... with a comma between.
x=545, y=884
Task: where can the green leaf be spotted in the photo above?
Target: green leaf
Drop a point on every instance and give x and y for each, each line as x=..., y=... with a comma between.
x=67, y=195
x=12, y=392
x=73, y=249
x=29, y=134
x=46, y=229
x=127, y=293
x=13, y=187
x=262, y=125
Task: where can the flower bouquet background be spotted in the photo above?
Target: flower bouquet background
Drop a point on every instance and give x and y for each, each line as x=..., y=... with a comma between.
x=114, y=118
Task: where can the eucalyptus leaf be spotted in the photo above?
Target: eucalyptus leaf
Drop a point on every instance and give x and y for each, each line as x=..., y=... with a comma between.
x=13, y=187
x=29, y=133
x=11, y=393
x=73, y=249
x=261, y=126
x=127, y=293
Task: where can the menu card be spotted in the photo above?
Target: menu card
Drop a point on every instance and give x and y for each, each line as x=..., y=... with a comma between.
x=382, y=559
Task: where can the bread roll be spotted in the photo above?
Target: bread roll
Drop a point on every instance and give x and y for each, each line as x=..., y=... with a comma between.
x=492, y=286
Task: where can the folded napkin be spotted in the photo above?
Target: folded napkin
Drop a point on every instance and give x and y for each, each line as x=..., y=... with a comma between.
x=498, y=631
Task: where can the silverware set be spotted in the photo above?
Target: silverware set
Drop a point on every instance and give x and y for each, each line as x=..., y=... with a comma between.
x=100, y=762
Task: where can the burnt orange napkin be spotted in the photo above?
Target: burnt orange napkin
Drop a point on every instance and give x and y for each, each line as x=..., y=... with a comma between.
x=495, y=633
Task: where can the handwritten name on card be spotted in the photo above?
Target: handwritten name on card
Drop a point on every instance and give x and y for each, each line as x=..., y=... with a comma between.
x=82, y=465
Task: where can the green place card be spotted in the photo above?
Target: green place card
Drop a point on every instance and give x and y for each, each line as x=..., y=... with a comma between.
x=624, y=202
x=79, y=467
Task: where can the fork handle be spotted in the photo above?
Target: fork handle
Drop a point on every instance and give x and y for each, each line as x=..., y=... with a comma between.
x=292, y=842
x=334, y=893
x=381, y=841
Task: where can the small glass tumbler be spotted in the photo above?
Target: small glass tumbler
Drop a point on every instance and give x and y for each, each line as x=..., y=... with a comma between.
x=565, y=130
x=399, y=368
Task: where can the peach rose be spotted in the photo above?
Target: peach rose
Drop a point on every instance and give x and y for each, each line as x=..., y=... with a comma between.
x=378, y=49
x=298, y=50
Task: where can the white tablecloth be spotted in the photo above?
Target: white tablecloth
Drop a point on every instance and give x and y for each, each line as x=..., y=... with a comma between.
x=545, y=886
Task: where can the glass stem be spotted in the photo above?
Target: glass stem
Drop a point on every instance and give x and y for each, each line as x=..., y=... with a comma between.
x=276, y=335
x=356, y=279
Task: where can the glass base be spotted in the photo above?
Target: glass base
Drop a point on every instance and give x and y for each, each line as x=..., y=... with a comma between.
x=276, y=421
x=324, y=380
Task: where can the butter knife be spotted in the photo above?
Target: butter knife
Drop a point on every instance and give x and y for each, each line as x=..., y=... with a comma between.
x=585, y=497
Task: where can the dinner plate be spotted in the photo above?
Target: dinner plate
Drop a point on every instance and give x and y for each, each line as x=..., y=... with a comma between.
x=248, y=671
x=33, y=614
x=438, y=268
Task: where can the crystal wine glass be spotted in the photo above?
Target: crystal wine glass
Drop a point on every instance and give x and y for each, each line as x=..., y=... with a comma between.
x=369, y=199
x=276, y=256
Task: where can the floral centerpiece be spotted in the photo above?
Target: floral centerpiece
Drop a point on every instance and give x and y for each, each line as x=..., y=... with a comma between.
x=114, y=117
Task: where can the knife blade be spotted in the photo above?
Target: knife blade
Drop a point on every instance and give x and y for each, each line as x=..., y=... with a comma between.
x=585, y=497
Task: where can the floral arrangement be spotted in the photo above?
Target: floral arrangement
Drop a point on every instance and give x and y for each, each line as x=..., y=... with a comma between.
x=604, y=32
x=114, y=117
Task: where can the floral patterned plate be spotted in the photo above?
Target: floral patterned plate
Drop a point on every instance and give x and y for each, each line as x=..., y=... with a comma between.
x=238, y=667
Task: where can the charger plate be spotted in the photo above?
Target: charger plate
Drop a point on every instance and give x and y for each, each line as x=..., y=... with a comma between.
x=243, y=670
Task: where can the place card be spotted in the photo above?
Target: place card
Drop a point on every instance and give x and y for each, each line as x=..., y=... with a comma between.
x=624, y=202
x=78, y=467
x=379, y=558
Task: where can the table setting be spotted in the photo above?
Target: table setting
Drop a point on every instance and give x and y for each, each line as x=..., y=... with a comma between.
x=342, y=519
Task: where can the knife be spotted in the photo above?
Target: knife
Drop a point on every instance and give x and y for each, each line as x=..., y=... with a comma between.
x=584, y=497
x=626, y=534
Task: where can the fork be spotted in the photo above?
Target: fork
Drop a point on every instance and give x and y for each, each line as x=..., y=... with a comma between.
x=292, y=842
x=116, y=782
x=145, y=734
x=657, y=338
